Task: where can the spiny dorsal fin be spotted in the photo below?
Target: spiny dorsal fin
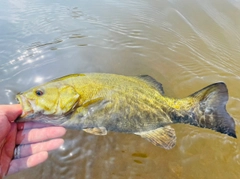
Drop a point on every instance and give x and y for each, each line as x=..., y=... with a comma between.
x=66, y=77
x=164, y=137
x=150, y=80
x=96, y=130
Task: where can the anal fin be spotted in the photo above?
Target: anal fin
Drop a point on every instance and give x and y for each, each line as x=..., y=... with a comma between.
x=96, y=130
x=164, y=137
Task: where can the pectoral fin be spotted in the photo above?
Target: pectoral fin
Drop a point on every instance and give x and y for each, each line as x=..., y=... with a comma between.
x=164, y=137
x=96, y=130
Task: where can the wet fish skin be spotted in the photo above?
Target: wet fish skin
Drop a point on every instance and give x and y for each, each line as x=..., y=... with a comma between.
x=98, y=102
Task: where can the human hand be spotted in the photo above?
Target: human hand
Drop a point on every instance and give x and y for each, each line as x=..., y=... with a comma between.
x=31, y=140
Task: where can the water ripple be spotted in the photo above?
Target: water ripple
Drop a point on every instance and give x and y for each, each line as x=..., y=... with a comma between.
x=186, y=45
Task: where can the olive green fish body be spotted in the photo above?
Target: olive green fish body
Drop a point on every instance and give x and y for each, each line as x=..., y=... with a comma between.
x=97, y=103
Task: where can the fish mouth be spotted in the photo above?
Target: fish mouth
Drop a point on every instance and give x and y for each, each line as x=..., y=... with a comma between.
x=26, y=105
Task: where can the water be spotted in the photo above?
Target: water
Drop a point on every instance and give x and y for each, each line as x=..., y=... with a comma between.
x=185, y=45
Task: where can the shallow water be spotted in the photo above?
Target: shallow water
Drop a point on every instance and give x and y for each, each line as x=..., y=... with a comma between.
x=185, y=45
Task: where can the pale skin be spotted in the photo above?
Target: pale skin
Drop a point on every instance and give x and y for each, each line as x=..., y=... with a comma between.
x=37, y=140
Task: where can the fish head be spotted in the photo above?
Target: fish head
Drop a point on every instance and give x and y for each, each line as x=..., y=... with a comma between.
x=51, y=99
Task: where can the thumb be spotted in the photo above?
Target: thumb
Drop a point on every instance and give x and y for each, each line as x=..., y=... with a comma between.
x=11, y=111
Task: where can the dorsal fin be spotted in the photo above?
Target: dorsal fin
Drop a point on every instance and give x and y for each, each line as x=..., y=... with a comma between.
x=66, y=77
x=150, y=80
x=164, y=137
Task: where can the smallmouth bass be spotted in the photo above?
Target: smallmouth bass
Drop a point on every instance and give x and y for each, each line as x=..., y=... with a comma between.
x=98, y=103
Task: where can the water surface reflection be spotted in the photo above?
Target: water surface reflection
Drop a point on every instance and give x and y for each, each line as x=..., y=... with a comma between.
x=185, y=45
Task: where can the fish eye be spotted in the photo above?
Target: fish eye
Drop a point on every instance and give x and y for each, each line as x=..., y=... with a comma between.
x=39, y=92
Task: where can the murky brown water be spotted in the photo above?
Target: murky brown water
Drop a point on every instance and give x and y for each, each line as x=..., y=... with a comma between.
x=185, y=44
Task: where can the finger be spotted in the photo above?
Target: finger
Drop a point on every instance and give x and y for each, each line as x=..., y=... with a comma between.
x=10, y=144
x=31, y=125
x=39, y=135
x=11, y=111
x=6, y=149
x=5, y=126
x=27, y=162
x=27, y=150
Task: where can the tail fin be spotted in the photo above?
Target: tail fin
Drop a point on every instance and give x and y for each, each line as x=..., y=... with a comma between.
x=211, y=112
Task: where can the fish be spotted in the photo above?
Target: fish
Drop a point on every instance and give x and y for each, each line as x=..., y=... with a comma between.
x=100, y=102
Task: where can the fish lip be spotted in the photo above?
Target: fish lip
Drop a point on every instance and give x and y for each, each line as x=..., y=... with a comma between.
x=24, y=102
